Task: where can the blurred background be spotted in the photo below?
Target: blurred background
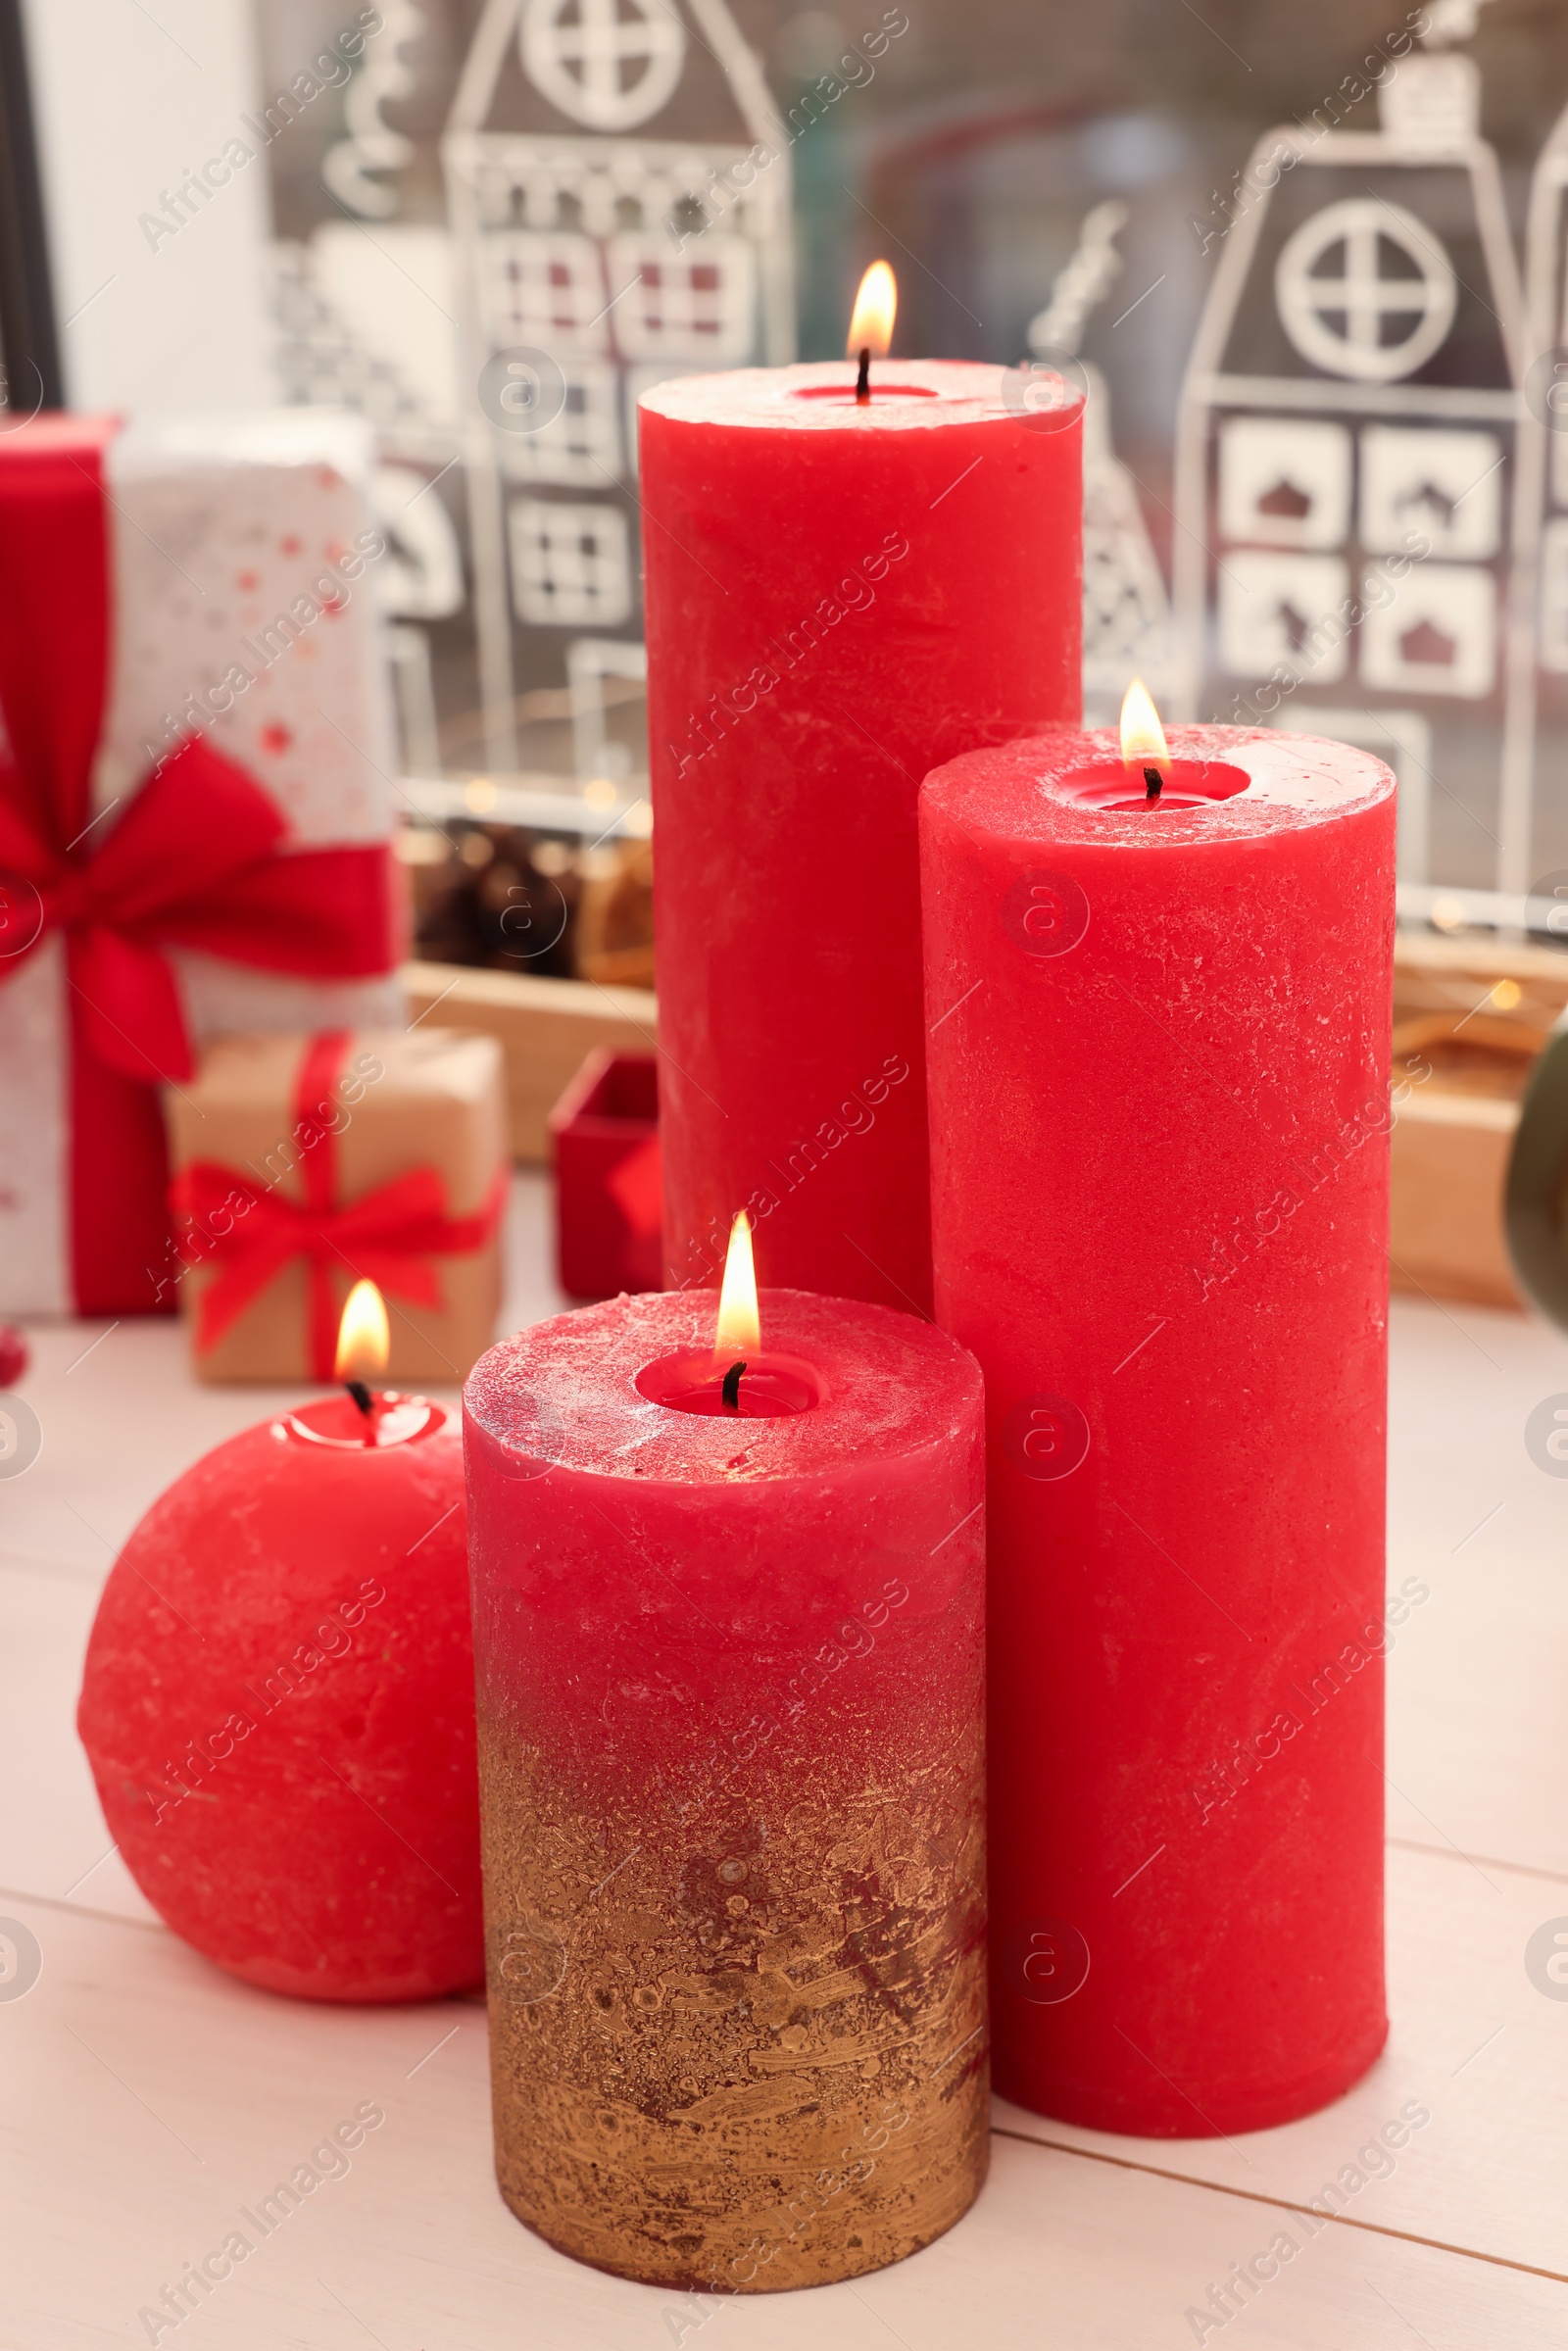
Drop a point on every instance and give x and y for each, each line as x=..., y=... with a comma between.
x=1308, y=262
x=428, y=184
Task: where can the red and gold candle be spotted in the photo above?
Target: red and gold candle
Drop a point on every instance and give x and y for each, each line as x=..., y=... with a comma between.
x=1158, y=987
x=842, y=592
x=728, y=1630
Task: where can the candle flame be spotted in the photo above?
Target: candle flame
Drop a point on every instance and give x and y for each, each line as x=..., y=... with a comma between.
x=1143, y=738
x=740, y=1330
x=364, y=1336
x=876, y=306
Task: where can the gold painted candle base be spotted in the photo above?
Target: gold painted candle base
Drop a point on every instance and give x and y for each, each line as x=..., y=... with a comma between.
x=729, y=2061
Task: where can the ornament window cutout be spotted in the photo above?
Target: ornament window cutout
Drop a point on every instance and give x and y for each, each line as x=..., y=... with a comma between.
x=699, y=305
x=1365, y=290
x=545, y=289
x=1426, y=646
x=1285, y=503
x=1284, y=484
x=1554, y=596
x=606, y=64
x=570, y=564
x=1446, y=485
x=581, y=448
x=1439, y=636
x=1280, y=611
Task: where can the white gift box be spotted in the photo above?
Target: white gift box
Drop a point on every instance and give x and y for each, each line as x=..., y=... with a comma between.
x=242, y=554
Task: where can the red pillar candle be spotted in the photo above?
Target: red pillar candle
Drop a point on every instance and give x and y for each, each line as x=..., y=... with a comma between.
x=729, y=1673
x=1159, y=1183
x=278, y=1705
x=839, y=596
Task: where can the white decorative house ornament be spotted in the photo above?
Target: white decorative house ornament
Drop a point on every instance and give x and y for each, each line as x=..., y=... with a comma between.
x=595, y=259
x=618, y=212
x=1349, y=420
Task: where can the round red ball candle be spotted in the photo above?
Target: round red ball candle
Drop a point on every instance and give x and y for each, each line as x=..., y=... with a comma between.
x=1159, y=1183
x=730, y=1680
x=838, y=597
x=278, y=1705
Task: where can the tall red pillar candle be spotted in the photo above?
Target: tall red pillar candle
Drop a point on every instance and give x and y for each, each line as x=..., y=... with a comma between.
x=1159, y=1178
x=278, y=1705
x=838, y=597
x=730, y=1694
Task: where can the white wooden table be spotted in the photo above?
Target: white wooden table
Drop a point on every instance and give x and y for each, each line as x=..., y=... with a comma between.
x=145, y=2097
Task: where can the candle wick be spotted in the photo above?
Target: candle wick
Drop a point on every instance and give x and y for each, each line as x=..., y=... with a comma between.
x=362, y=1396
x=731, y=1389
x=862, y=382
x=1153, y=783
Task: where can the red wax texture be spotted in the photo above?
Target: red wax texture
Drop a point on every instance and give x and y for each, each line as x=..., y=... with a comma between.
x=1159, y=1172
x=838, y=597
x=278, y=1709
x=770, y=1532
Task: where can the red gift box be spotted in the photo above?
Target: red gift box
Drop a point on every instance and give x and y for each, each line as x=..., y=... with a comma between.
x=608, y=1183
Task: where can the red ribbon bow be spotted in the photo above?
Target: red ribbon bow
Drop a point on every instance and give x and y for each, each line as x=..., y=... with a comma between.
x=193, y=860
x=388, y=1236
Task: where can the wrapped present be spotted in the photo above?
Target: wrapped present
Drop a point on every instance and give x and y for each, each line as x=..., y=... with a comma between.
x=303, y=1164
x=195, y=803
x=610, y=1204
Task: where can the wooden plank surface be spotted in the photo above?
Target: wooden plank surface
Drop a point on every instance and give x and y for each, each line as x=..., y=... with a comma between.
x=152, y=2105
x=1474, y=2045
x=1477, y=1746
x=148, y=2098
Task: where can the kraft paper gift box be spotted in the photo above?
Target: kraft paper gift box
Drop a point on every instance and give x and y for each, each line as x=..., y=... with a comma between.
x=195, y=807
x=304, y=1163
